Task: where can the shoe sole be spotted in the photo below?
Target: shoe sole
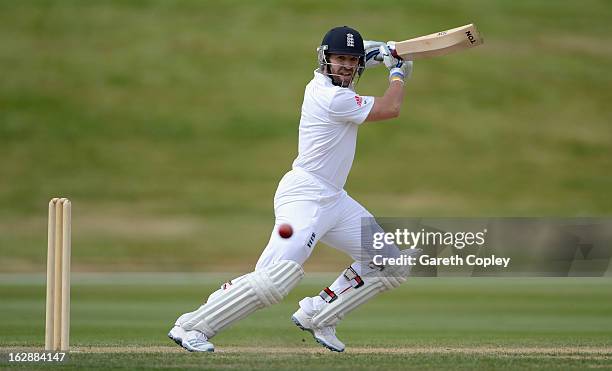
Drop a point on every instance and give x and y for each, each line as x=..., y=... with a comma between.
x=179, y=342
x=324, y=344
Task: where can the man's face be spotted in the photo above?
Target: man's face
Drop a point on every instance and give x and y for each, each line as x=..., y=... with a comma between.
x=342, y=68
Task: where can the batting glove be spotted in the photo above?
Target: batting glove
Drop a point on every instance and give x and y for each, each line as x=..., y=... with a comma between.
x=387, y=57
x=401, y=72
x=372, y=53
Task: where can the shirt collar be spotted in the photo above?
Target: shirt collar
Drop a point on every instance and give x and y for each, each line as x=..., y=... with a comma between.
x=324, y=79
x=321, y=78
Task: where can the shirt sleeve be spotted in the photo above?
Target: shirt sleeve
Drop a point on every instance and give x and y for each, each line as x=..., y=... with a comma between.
x=349, y=107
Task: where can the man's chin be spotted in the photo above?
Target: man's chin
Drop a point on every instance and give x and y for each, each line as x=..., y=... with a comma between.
x=344, y=82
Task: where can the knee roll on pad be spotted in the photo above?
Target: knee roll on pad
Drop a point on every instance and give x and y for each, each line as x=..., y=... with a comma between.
x=389, y=278
x=244, y=296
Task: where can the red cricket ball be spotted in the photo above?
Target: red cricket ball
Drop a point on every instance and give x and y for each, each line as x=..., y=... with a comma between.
x=285, y=230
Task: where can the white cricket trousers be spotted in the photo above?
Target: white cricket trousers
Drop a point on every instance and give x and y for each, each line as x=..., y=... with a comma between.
x=317, y=212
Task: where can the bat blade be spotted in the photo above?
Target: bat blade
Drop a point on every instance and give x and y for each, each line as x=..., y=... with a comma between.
x=439, y=43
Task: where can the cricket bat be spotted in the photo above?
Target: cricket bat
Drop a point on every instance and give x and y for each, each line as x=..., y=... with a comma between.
x=439, y=43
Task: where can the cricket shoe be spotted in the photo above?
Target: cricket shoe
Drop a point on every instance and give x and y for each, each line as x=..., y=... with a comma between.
x=325, y=336
x=192, y=340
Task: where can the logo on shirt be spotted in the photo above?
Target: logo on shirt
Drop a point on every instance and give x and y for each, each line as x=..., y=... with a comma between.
x=358, y=100
x=349, y=40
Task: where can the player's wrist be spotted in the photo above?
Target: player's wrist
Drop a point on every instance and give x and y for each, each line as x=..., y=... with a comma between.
x=396, y=74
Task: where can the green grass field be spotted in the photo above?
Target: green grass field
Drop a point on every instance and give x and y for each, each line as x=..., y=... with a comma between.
x=427, y=324
x=169, y=123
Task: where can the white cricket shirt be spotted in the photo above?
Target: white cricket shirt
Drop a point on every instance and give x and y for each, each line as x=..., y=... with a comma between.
x=330, y=118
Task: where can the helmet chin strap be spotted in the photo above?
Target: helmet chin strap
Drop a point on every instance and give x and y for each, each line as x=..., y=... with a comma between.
x=337, y=78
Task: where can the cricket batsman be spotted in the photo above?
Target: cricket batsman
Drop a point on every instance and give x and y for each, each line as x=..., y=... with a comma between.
x=311, y=198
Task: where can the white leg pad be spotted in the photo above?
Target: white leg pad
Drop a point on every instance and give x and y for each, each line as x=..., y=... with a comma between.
x=387, y=279
x=244, y=296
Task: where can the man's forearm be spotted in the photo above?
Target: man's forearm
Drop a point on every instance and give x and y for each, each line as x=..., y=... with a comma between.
x=394, y=96
x=388, y=106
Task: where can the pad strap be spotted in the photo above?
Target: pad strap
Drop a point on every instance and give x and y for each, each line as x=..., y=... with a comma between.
x=328, y=295
x=354, y=279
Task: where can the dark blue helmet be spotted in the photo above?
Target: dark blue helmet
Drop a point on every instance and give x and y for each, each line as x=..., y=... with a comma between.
x=341, y=40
